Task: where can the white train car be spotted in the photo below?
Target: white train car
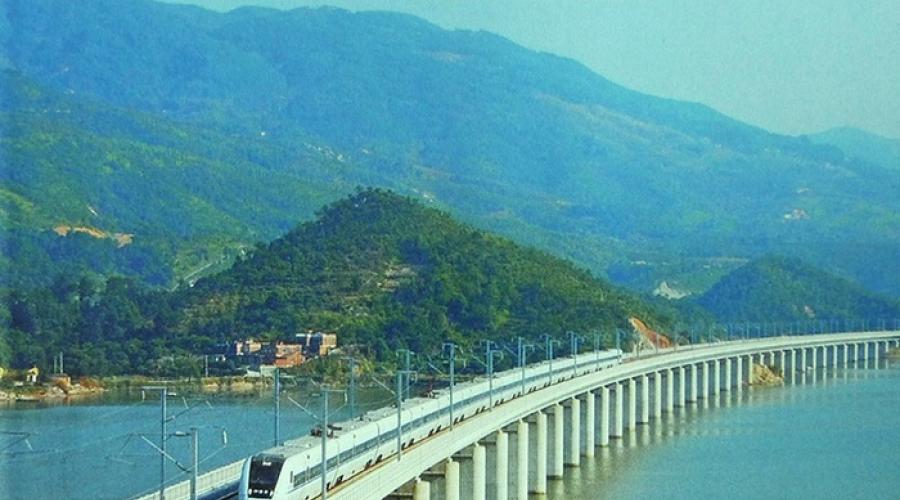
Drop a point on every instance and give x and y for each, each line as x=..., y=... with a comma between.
x=292, y=471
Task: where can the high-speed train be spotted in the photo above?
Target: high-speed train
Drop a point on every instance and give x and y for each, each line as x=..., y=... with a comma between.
x=291, y=471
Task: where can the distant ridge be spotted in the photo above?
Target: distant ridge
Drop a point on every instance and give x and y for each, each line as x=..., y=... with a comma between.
x=873, y=148
x=784, y=289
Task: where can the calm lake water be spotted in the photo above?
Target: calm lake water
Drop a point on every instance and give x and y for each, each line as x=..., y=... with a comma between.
x=836, y=438
x=95, y=449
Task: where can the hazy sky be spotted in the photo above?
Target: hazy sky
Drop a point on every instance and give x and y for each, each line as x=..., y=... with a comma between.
x=791, y=66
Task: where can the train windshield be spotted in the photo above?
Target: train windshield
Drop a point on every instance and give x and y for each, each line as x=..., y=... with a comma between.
x=264, y=471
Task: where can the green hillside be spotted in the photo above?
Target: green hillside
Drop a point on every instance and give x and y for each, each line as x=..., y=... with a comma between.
x=784, y=289
x=532, y=146
x=187, y=196
x=381, y=270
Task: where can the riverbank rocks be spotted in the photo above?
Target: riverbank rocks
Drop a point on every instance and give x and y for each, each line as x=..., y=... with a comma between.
x=765, y=376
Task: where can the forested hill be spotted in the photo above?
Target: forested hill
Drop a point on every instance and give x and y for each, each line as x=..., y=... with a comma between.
x=200, y=132
x=785, y=289
x=381, y=270
x=384, y=270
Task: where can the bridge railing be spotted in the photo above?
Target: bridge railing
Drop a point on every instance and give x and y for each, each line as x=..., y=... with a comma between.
x=217, y=479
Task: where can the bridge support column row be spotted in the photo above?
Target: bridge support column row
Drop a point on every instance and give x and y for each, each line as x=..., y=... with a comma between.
x=739, y=373
x=681, y=387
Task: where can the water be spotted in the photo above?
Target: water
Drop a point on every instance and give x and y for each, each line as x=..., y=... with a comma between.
x=95, y=449
x=836, y=438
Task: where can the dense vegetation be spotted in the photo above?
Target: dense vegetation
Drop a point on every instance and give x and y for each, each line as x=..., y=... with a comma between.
x=785, y=289
x=205, y=132
x=382, y=270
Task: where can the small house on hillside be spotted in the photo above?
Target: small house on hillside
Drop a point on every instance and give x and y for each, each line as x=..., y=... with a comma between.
x=31, y=376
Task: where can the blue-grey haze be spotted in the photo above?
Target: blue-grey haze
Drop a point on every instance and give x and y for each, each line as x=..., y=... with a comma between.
x=790, y=67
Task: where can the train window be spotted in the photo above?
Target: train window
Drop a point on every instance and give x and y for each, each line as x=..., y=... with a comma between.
x=264, y=472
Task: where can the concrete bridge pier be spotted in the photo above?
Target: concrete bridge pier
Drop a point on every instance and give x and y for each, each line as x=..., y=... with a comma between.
x=739, y=373
x=876, y=345
x=421, y=490
x=657, y=395
x=704, y=393
x=814, y=364
x=540, y=464
x=521, y=460
x=632, y=404
x=717, y=377
x=803, y=359
x=645, y=400
x=692, y=385
x=749, y=369
x=574, y=458
x=728, y=377
x=479, y=472
x=670, y=391
x=681, y=387
x=451, y=480
x=793, y=365
x=604, y=416
x=865, y=355
x=781, y=361
x=590, y=424
x=620, y=411
x=556, y=470
x=846, y=349
x=501, y=465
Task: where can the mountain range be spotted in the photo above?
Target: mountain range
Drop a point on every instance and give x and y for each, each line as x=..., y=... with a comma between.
x=191, y=135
